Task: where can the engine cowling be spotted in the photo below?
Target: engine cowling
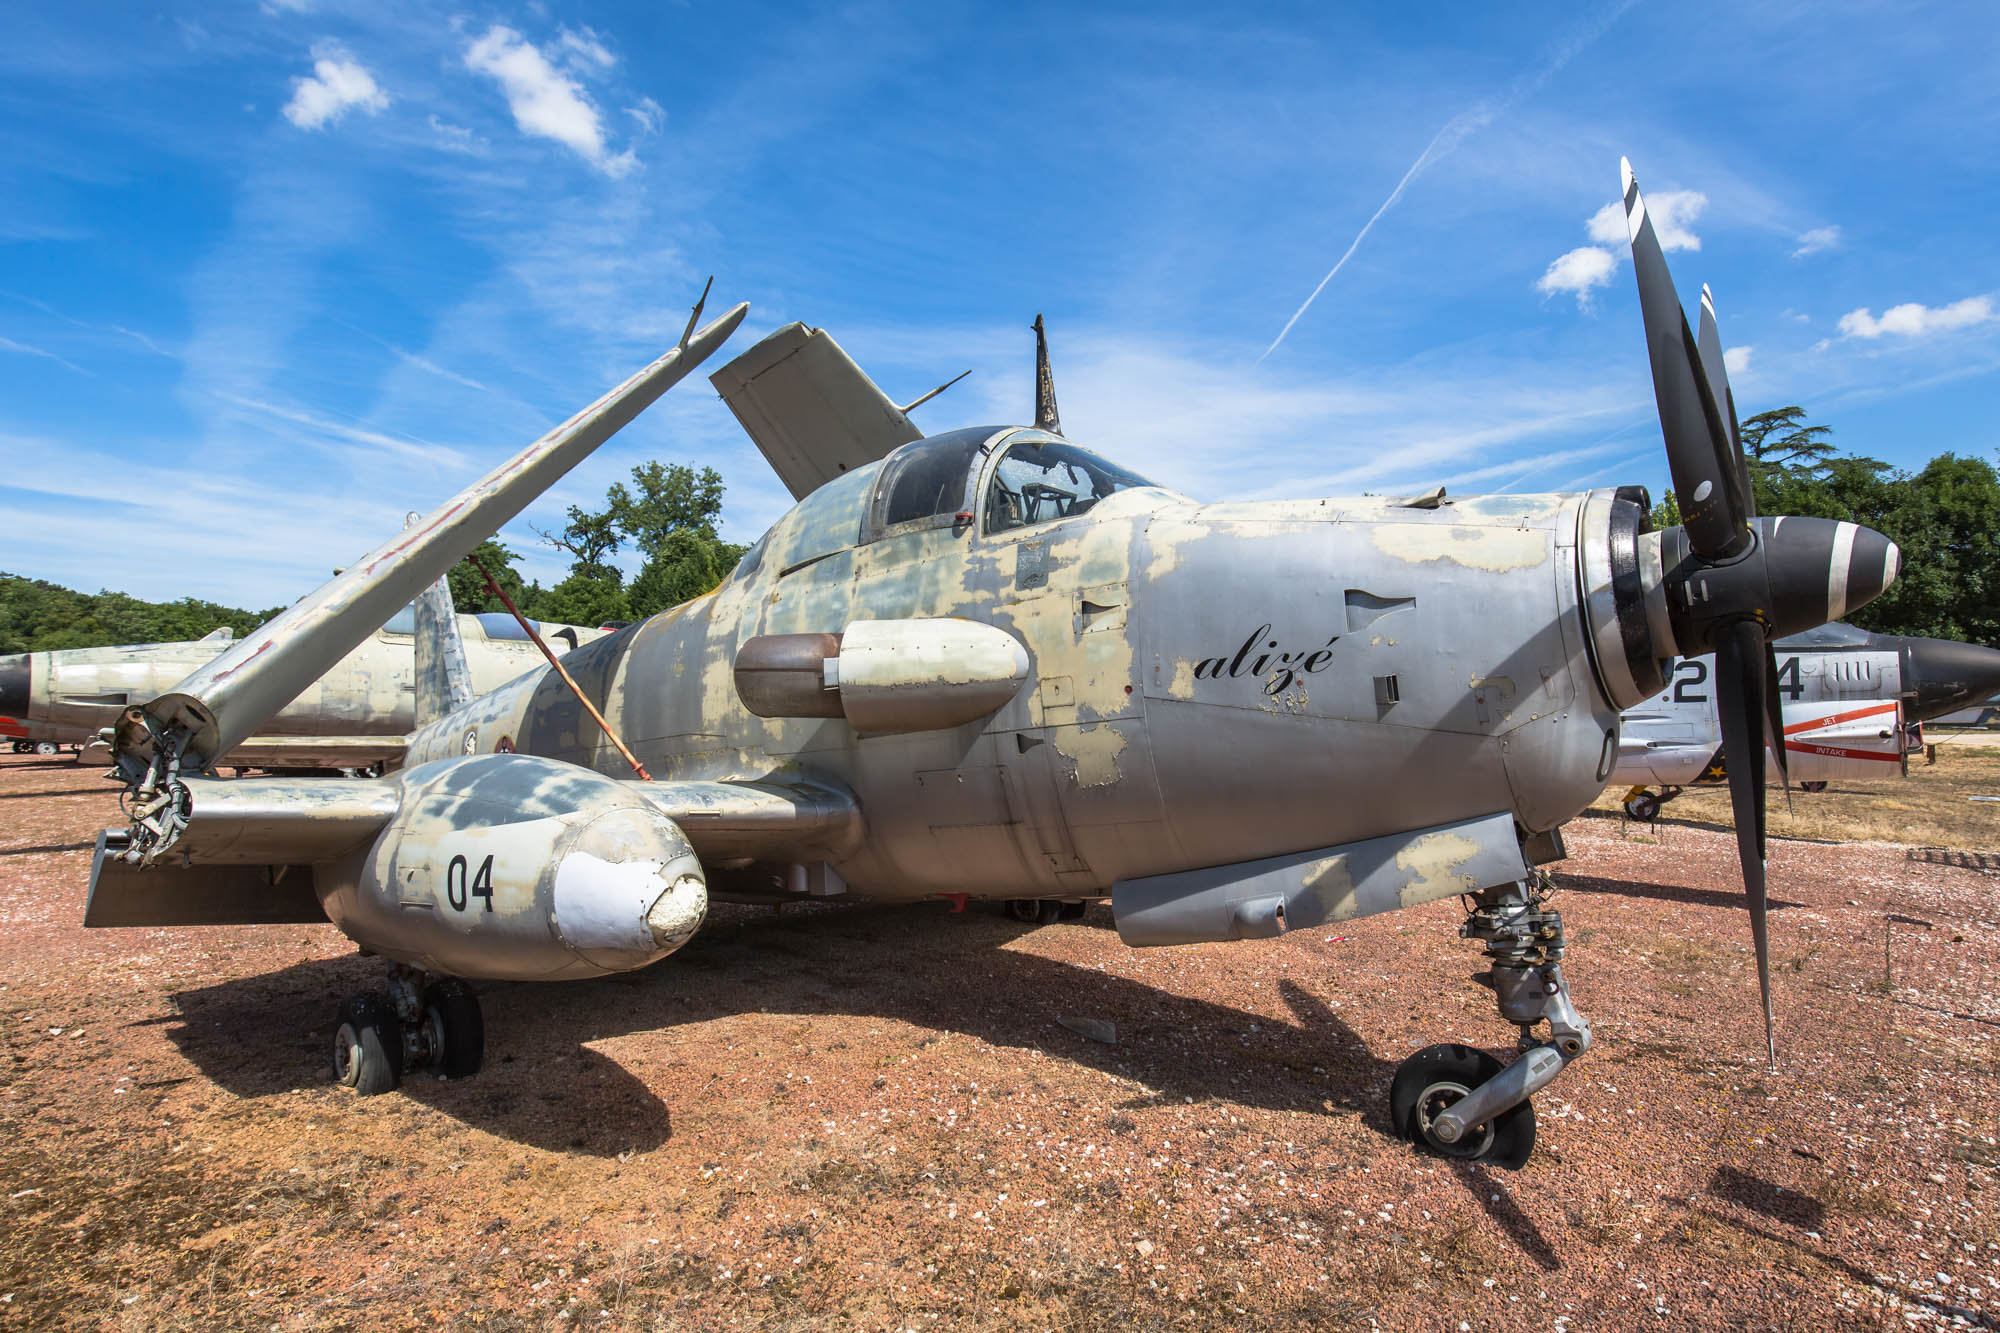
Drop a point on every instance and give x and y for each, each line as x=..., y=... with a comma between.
x=517, y=867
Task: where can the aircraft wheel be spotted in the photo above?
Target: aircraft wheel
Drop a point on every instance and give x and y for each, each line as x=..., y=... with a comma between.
x=1025, y=909
x=1814, y=787
x=47, y=747
x=368, y=1045
x=22, y=747
x=1429, y=1082
x=1645, y=806
x=458, y=1031
x=1048, y=911
x=1073, y=911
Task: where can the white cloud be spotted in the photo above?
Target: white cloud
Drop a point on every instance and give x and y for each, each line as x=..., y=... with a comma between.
x=1673, y=213
x=546, y=103
x=1578, y=271
x=455, y=138
x=1816, y=240
x=1736, y=360
x=338, y=82
x=1913, y=320
x=651, y=116
x=583, y=47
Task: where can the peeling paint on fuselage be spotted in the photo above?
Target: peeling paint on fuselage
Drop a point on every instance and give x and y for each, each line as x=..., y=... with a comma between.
x=1120, y=757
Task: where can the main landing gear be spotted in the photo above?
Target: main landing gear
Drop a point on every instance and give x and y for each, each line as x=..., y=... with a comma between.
x=1045, y=911
x=1644, y=805
x=1462, y=1103
x=416, y=1023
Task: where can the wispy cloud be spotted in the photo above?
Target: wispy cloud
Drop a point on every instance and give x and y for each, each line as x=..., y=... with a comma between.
x=546, y=103
x=8, y=344
x=1455, y=130
x=337, y=85
x=1816, y=240
x=437, y=455
x=1914, y=320
x=1736, y=360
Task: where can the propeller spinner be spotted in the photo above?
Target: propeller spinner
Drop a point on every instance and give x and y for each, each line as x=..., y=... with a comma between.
x=1731, y=581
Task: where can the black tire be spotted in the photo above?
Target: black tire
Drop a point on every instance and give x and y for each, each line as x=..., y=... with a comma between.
x=368, y=1046
x=463, y=1032
x=1431, y=1080
x=47, y=747
x=1073, y=911
x=1025, y=909
x=1644, y=807
x=1813, y=787
x=1048, y=911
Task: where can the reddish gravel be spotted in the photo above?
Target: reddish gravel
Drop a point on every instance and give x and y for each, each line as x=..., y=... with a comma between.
x=870, y=1117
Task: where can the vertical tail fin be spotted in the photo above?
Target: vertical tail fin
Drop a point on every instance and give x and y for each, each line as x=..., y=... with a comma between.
x=444, y=682
x=1045, y=385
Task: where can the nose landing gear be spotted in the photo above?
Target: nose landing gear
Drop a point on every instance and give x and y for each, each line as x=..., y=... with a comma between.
x=1459, y=1102
x=413, y=1025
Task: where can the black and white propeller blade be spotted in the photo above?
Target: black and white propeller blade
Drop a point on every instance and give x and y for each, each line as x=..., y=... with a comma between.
x=1701, y=449
x=1733, y=581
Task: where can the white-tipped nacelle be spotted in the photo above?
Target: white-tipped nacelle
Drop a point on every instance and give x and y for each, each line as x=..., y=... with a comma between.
x=884, y=676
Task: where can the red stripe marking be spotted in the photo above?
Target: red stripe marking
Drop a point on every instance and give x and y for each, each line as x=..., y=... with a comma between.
x=1814, y=724
x=1840, y=752
x=14, y=727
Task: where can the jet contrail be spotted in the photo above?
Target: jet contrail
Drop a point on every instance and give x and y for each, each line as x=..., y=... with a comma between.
x=1453, y=133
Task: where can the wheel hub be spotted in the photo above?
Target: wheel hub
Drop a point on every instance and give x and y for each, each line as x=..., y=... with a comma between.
x=1433, y=1102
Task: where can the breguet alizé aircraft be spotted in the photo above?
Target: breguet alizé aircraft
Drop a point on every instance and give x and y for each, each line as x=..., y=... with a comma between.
x=1854, y=706
x=992, y=663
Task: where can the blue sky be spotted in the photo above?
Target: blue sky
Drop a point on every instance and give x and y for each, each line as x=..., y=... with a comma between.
x=272, y=274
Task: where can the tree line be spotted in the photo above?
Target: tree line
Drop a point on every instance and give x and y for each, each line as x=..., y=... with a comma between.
x=668, y=515
x=1944, y=517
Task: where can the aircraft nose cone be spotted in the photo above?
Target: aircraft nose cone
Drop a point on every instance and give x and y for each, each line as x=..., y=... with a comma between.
x=1944, y=676
x=1872, y=563
x=1821, y=569
x=14, y=685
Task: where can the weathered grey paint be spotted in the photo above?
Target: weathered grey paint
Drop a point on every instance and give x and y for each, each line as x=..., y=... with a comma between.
x=1203, y=684
x=1259, y=899
x=369, y=692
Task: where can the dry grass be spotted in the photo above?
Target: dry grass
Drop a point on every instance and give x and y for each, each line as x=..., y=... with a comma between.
x=1931, y=808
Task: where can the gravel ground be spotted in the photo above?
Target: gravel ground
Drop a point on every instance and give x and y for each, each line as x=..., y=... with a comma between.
x=873, y=1117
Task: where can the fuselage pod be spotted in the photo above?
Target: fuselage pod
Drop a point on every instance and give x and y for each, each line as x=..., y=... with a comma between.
x=517, y=867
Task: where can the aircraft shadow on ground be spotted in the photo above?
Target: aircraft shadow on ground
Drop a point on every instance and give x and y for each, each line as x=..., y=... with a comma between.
x=1711, y=825
x=543, y=1086
x=1673, y=893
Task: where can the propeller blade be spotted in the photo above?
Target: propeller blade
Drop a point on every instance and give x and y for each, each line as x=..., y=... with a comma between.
x=1739, y=692
x=1708, y=341
x=1774, y=721
x=1701, y=450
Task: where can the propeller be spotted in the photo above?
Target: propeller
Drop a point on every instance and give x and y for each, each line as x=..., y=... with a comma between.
x=1732, y=581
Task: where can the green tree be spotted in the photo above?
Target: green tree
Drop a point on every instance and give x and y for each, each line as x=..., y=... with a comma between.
x=583, y=599
x=665, y=498
x=684, y=566
x=468, y=589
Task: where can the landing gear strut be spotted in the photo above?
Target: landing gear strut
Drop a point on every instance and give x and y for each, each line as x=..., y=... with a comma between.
x=416, y=1023
x=1460, y=1102
x=1045, y=911
x=1644, y=805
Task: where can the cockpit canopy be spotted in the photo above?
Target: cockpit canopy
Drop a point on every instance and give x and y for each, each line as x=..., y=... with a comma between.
x=1038, y=478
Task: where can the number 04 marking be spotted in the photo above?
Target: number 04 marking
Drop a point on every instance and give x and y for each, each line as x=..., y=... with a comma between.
x=458, y=893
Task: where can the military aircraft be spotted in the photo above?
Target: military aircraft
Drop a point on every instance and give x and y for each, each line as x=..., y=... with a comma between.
x=990, y=663
x=354, y=716
x=1854, y=706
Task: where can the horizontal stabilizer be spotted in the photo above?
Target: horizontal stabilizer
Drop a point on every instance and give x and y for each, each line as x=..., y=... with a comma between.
x=811, y=410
